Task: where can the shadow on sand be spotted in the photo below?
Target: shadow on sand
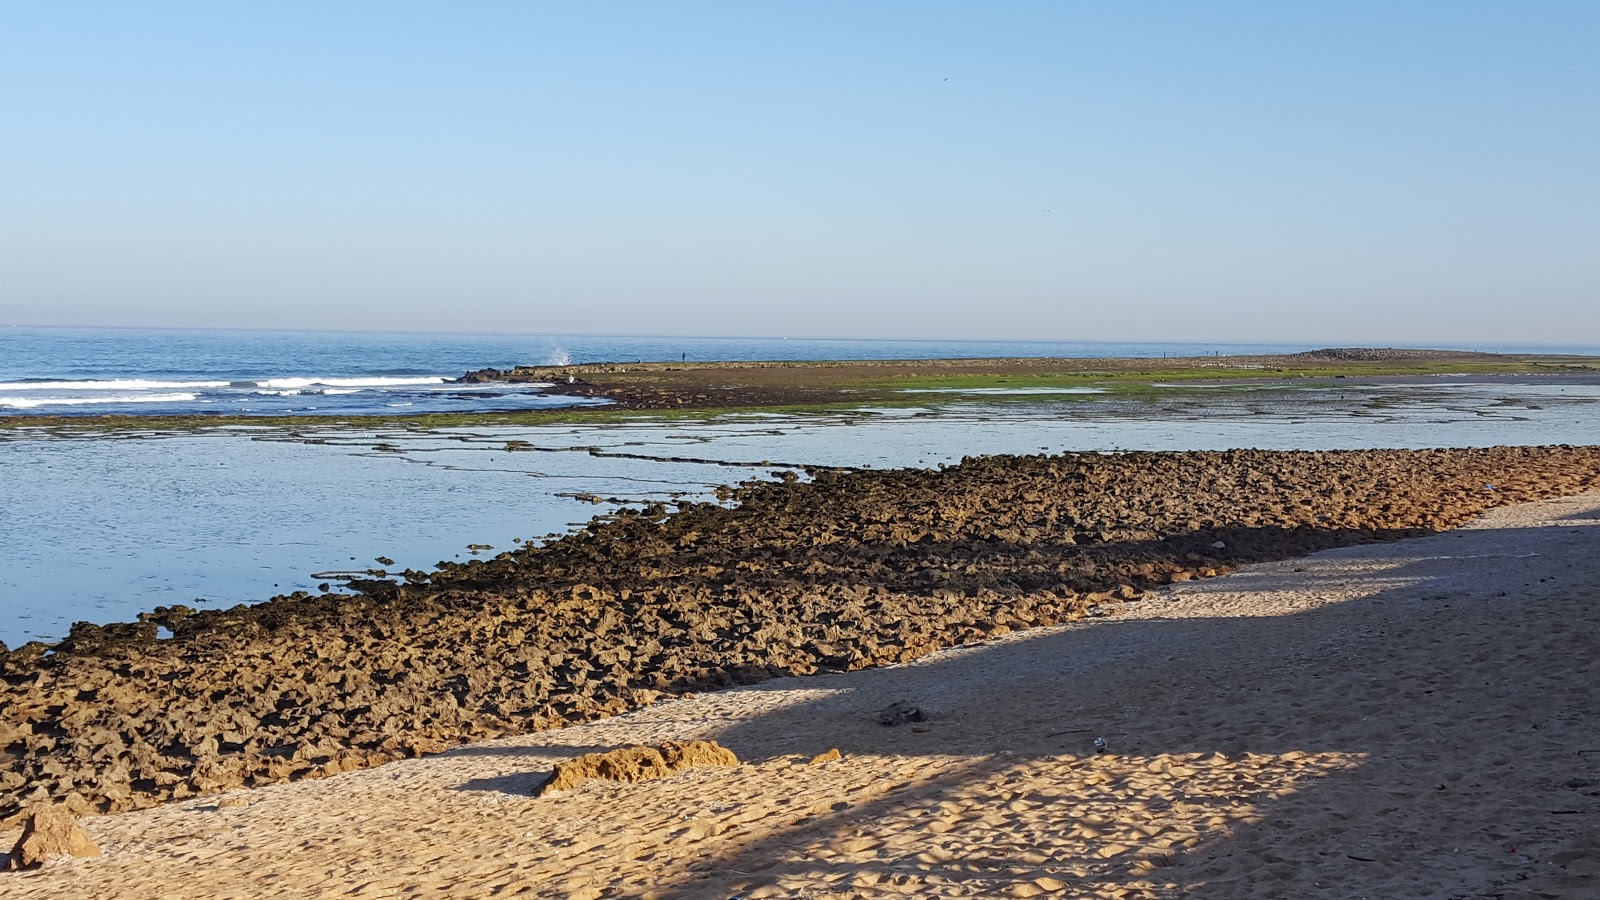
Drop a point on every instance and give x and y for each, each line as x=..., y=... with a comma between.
x=1422, y=737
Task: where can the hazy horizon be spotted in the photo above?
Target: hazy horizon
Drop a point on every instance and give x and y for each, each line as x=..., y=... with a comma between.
x=1357, y=174
x=1418, y=344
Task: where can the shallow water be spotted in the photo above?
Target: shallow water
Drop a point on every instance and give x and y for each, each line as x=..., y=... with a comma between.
x=103, y=527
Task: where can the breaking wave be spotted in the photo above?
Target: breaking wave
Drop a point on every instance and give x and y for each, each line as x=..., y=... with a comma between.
x=129, y=384
x=361, y=382
x=37, y=402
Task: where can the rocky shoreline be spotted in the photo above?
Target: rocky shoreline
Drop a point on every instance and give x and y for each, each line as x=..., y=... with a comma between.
x=850, y=570
x=729, y=385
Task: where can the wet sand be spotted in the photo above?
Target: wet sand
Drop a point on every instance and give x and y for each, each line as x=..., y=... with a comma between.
x=1407, y=719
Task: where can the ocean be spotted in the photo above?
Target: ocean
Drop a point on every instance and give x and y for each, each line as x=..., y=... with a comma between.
x=163, y=372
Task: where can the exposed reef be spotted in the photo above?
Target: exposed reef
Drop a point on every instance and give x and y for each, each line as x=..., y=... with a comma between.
x=725, y=385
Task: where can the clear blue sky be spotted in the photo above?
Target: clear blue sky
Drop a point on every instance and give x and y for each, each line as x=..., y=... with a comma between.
x=1328, y=172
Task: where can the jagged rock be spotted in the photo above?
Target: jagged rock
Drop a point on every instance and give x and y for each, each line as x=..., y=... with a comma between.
x=51, y=832
x=827, y=757
x=638, y=763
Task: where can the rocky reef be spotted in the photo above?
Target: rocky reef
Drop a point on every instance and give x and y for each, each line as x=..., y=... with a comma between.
x=690, y=385
x=847, y=570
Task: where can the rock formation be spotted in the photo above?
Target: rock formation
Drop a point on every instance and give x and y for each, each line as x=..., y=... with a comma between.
x=51, y=832
x=635, y=764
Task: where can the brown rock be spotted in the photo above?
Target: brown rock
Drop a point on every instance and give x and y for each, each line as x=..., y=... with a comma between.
x=50, y=833
x=637, y=763
x=831, y=756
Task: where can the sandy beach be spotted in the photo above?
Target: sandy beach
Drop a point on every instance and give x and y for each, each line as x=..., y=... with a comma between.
x=1409, y=719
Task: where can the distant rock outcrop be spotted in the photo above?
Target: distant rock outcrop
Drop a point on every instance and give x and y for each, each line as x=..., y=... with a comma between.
x=1389, y=354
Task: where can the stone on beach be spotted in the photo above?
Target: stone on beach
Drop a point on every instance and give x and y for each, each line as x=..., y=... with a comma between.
x=897, y=714
x=826, y=757
x=635, y=764
x=51, y=832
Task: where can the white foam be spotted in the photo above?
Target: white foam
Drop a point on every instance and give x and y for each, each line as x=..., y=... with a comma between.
x=130, y=384
x=35, y=402
x=349, y=382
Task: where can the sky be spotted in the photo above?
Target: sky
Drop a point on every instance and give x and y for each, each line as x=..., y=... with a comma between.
x=1305, y=172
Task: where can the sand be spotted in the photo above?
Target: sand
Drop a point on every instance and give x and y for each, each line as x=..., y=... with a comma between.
x=1412, y=719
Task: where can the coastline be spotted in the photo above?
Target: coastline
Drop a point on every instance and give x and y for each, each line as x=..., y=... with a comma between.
x=852, y=570
x=610, y=392
x=1396, y=719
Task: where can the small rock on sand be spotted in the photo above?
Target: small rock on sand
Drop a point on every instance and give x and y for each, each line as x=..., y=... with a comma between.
x=637, y=763
x=897, y=714
x=828, y=757
x=50, y=833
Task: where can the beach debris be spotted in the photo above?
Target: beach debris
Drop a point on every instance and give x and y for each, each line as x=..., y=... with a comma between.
x=51, y=832
x=828, y=757
x=1100, y=745
x=1219, y=545
x=896, y=714
x=635, y=763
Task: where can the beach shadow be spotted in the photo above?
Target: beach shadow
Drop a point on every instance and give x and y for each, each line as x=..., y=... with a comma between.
x=519, y=784
x=1344, y=730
